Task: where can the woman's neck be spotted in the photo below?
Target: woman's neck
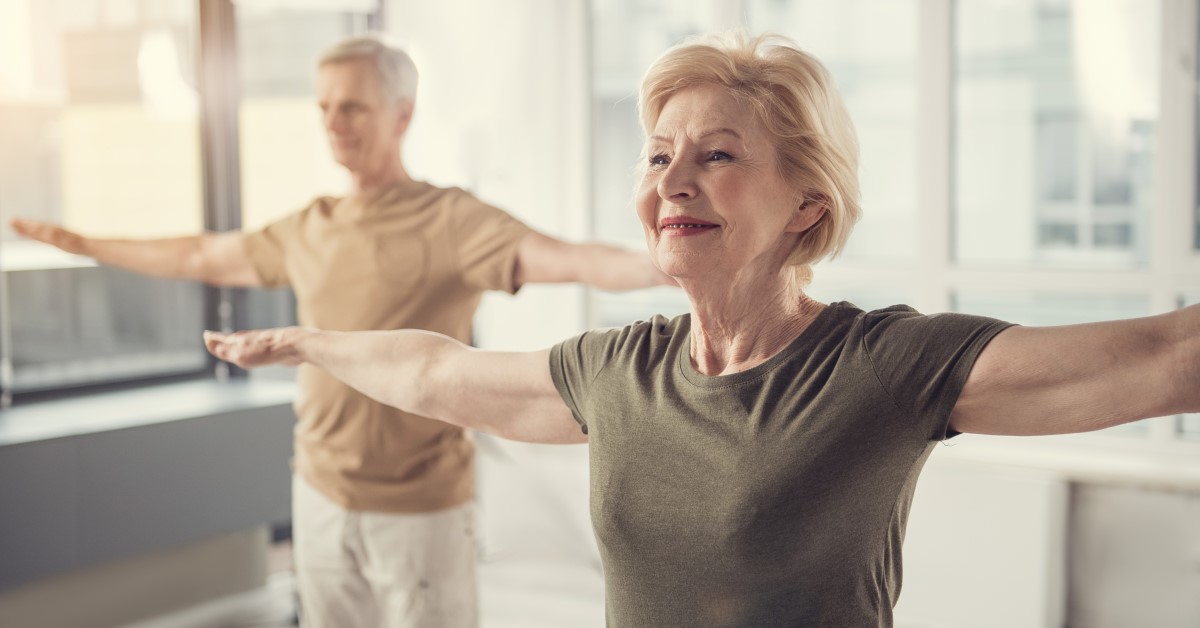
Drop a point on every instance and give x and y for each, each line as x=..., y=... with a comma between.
x=740, y=325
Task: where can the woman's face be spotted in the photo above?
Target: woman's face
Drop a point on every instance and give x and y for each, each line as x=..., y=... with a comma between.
x=712, y=201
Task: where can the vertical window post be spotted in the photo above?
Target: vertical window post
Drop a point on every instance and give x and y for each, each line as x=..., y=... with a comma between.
x=219, y=100
x=6, y=366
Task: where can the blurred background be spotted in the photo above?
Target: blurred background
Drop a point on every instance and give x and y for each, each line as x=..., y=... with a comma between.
x=1032, y=160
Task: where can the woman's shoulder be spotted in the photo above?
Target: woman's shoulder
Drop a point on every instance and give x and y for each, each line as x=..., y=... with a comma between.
x=904, y=323
x=654, y=335
x=657, y=326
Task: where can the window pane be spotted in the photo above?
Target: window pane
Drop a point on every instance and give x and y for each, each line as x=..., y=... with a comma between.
x=1056, y=308
x=870, y=47
x=1056, y=108
x=284, y=154
x=99, y=131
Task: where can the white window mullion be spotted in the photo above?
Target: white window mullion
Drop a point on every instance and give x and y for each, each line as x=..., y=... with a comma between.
x=1173, y=255
x=934, y=164
x=1175, y=166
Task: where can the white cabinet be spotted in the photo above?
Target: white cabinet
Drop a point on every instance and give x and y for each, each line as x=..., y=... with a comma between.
x=1134, y=558
x=985, y=548
x=1008, y=546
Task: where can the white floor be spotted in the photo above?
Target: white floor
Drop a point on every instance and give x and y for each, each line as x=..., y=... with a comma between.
x=527, y=594
x=269, y=607
x=541, y=595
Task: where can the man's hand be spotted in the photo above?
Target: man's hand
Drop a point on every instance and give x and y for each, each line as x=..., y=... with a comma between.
x=261, y=347
x=543, y=259
x=51, y=234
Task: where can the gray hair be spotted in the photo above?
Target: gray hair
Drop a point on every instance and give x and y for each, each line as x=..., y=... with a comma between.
x=396, y=71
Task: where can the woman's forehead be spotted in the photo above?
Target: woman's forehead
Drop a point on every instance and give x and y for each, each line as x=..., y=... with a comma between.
x=706, y=110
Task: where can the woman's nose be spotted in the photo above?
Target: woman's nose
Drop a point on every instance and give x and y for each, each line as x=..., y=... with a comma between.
x=678, y=182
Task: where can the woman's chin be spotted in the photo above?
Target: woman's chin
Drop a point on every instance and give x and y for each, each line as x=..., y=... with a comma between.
x=672, y=268
x=682, y=265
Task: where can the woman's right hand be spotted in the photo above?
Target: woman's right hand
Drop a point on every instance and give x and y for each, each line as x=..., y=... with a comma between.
x=255, y=348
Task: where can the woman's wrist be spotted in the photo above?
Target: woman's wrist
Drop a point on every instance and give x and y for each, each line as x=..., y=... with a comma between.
x=295, y=344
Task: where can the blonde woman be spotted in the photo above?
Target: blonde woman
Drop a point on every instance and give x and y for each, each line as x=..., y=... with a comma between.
x=753, y=461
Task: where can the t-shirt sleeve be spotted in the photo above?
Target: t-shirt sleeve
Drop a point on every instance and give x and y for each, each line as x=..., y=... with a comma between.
x=923, y=361
x=267, y=249
x=575, y=363
x=486, y=242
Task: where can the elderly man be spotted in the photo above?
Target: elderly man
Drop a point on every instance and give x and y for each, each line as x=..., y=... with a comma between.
x=382, y=509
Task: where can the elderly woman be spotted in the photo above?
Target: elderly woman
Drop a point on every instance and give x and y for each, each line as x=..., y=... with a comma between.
x=753, y=461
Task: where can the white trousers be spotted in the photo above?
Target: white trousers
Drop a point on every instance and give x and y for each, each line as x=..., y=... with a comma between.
x=372, y=570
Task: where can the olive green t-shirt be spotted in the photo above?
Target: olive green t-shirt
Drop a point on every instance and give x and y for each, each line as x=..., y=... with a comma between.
x=777, y=496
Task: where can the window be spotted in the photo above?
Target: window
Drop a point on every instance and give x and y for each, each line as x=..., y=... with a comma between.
x=1056, y=121
x=98, y=109
x=284, y=156
x=1056, y=110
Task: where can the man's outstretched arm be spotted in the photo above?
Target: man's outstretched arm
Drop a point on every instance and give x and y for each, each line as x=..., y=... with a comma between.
x=217, y=259
x=543, y=259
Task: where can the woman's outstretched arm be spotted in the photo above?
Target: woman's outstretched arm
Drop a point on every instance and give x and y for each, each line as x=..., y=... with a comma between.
x=1077, y=378
x=508, y=394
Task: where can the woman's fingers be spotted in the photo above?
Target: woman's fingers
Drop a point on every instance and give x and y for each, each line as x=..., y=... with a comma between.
x=250, y=349
x=239, y=348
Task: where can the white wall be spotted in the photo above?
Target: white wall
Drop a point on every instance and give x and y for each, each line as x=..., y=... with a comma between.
x=502, y=110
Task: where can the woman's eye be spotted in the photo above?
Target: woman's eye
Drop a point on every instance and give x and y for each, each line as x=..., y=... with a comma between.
x=659, y=160
x=718, y=155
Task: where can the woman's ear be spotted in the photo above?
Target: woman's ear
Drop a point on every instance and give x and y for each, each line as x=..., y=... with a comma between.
x=808, y=212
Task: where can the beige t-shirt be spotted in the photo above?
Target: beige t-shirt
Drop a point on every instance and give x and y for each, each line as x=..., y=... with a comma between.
x=409, y=256
x=777, y=496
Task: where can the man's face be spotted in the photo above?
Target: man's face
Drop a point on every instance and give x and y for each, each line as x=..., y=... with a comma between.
x=363, y=124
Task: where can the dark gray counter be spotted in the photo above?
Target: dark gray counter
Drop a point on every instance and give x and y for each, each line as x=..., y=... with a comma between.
x=121, y=474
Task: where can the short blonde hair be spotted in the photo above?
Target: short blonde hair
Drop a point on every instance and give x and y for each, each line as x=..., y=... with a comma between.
x=797, y=102
x=395, y=69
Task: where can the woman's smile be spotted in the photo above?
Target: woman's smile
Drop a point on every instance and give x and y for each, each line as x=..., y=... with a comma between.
x=679, y=226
